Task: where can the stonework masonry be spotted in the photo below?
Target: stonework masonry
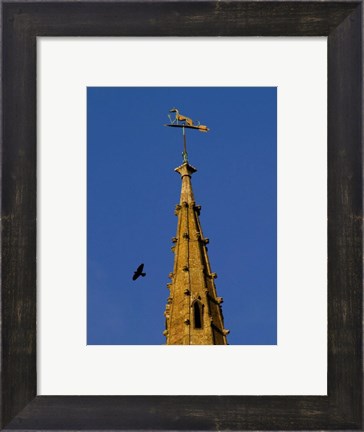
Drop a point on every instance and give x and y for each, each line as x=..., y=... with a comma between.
x=193, y=311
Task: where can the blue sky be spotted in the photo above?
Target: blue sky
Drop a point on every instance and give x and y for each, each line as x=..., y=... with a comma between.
x=132, y=190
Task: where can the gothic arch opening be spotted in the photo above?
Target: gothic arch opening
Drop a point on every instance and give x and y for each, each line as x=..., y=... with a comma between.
x=197, y=315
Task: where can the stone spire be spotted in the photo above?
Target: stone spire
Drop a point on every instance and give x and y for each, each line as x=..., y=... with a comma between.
x=193, y=312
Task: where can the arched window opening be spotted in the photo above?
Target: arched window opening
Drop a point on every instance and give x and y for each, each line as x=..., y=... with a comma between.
x=197, y=314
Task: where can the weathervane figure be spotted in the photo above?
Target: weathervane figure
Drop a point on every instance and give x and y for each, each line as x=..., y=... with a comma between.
x=184, y=122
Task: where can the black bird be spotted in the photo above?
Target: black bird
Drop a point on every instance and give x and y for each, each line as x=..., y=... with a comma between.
x=139, y=272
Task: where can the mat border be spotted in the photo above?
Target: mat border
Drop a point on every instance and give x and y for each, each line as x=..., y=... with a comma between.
x=22, y=22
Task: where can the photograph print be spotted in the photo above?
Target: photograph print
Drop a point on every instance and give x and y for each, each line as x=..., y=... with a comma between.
x=182, y=216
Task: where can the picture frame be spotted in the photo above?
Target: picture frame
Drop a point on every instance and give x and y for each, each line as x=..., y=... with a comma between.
x=22, y=22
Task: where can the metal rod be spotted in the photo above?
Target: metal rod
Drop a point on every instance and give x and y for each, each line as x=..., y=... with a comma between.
x=184, y=141
x=185, y=156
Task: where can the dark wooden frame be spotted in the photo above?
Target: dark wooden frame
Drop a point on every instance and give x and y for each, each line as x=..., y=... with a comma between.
x=22, y=22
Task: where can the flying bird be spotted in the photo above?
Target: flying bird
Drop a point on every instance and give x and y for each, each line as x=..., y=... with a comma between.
x=139, y=272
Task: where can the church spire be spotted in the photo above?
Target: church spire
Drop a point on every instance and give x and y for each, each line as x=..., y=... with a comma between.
x=193, y=311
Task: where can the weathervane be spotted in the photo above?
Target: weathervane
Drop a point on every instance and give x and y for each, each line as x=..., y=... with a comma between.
x=184, y=122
